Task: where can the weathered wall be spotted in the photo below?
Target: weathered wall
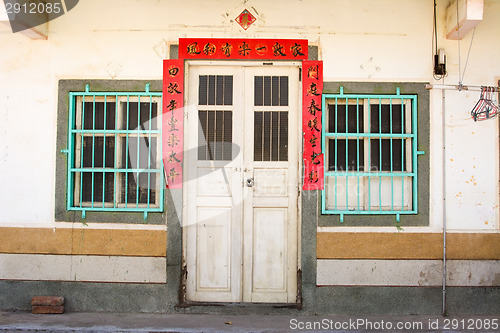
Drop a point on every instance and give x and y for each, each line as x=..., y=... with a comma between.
x=389, y=42
x=359, y=41
x=472, y=152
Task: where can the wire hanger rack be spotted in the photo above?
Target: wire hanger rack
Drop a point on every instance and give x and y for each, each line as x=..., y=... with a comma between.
x=485, y=107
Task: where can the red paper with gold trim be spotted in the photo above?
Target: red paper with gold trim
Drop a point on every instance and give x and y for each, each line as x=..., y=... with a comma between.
x=312, y=87
x=173, y=121
x=243, y=48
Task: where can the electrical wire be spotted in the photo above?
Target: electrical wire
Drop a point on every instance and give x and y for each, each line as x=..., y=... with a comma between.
x=458, y=40
x=461, y=75
x=468, y=54
x=435, y=30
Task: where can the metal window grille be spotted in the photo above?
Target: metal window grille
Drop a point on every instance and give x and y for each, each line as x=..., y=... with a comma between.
x=114, y=152
x=370, y=150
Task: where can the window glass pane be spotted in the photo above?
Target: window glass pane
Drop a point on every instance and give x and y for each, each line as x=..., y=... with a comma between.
x=219, y=99
x=96, y=114
x=266, y=149
x=258, y=90
x=87, y=151
x=211, y=90
x=227, y=136
x=133, y=194
x=139, y=119
x=219, y=132
x=128, y=158
x=355, y=116
x=275, y=90
x=283, y=137
x=271, y=136
x=144, y=116
x=210, y=138
x=355, y=152
x=215, y=90
x=271, y=90
x=136, y=152
x=202, y=142
x=145, y=187
x=283, y=91
x=274, y=136
x=228, y=90
x=103, y=149
x=203, y=90
x=96, y=178
x=147, y=151
x=86, y=183
x=148, y=115
x=215, y=135
x=257, y=136
x=380, y=151
x=267, y=90
x=380, y=118
x=129, y=188
x=125, y=111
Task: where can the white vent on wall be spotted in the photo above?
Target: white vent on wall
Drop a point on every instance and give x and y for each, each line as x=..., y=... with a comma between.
x=470, y=13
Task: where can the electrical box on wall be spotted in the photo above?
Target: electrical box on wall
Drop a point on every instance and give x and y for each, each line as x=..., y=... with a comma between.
x=469, y=13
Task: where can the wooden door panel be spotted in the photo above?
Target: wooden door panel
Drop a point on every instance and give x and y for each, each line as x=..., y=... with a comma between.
x=270, y=249
x=213, y=246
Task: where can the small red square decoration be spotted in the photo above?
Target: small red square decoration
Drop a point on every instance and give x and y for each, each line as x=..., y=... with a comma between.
x=245, y=19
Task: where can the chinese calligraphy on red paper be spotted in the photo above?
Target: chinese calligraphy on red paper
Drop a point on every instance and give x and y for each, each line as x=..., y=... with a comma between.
x=173, y=118
x=312, y=87
x=240, y=48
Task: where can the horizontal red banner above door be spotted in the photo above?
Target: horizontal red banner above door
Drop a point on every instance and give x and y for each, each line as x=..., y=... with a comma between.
x=243, y=48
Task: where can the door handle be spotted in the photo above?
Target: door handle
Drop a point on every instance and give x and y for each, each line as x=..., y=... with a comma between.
x=249, y=182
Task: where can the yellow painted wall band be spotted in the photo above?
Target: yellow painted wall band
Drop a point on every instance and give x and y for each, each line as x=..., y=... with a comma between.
x=368, y=245
x=81, y=241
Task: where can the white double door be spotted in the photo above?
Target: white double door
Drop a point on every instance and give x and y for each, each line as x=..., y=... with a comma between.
x=241, y=200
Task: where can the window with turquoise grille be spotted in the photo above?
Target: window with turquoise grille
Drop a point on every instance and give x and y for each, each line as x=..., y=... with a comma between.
x=370, y=149
x=114, y=155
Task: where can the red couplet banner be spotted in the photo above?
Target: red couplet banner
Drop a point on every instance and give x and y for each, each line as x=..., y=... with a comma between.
x=312, y=87
x=173, y=121
x=241, y=48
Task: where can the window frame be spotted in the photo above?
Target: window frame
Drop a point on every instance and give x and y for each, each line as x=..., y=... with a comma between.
x=365, y=137
x=76, y=133
x=67, y=91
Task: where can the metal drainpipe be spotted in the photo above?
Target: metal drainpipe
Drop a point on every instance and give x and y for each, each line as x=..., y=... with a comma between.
x=444, y=198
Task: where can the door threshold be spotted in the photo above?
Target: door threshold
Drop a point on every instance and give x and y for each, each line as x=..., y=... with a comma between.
x=189, y=304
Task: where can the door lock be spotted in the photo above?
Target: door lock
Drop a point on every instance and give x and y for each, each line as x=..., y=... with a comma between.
x=249, y=182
